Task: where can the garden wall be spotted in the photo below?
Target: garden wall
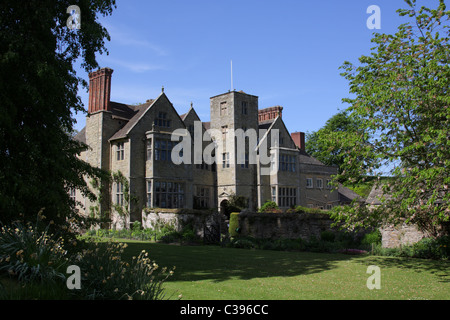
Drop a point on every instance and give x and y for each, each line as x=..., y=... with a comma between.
x=284, y=225
x=395, y=237
x=179, y=218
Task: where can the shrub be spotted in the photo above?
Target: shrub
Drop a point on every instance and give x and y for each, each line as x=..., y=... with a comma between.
x=188, y=234
x=233, y=227
x=32, y=255
x=426, y=248
x=300, y=209
x=372, y=238
x=106, y=276
x=432, y=248
x=243, y=243
x=327, y=236
x=269, y=207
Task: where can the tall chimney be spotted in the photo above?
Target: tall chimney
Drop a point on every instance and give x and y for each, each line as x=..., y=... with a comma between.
x=270, y=113
x=299, y=140
x=100, y=90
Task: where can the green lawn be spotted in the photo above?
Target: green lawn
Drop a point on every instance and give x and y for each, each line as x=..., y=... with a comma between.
x=215, y=273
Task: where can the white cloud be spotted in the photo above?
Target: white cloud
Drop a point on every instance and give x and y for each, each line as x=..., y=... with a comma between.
x=133, y=66
x=123, y=37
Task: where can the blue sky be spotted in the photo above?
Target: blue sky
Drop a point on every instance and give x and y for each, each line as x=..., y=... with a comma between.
x=286, y=52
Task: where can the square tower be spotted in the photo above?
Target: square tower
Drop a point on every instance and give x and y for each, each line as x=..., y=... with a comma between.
x=234, y=128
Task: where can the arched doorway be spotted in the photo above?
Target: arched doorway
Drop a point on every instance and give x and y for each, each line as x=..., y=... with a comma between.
x=223, y=208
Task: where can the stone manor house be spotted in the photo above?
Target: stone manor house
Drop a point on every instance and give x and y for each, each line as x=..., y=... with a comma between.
x=136, y=140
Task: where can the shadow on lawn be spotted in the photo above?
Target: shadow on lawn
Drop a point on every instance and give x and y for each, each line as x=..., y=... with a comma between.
x=194, y=263
x=440, y=269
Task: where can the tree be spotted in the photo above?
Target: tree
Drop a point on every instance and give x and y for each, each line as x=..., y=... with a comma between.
x=401, y=102
x=331, y=145
x=38, y=94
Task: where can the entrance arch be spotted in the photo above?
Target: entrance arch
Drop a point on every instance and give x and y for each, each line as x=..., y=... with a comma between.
x=223, y=208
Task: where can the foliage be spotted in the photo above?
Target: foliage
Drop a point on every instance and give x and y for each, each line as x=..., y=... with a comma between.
x=123, y=209
x=161, y=231
x=37, y=261
x=427, y=248
x=31, y=254
x=300, y=209
x=269, y=206
x=39, y=94
x=327, y=236
x=372, y=238
x=327, y=244
x=402, y=106
x=106, y=276
x=331, y=144
x=98, y=185
x=233, y=228
x=235, y=203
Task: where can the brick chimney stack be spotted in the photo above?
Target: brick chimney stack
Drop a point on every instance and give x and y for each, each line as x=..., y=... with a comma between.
x=100, y=90
x=299, y=140
x=270, y=113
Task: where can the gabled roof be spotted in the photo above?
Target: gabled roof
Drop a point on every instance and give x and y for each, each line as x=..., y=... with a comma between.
x=138, y=112
x=81, y=136
x=375, y=195
x=123, y=111
x=347, y=195
x=269, y=124
x=304, y=158
x=141, y=111
x=190, y=112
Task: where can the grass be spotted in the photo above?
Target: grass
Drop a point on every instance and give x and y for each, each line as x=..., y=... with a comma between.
x=215, y=273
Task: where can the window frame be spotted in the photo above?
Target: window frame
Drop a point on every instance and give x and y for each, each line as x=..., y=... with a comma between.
x=244, y=107
x=119, y=194
x=120, y=151
x=225, y=160
x=319, y=185
x=223, y=108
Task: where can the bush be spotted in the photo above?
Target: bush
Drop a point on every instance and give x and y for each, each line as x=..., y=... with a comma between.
x=39, y=262
x=327, y=236
x=372, y=238
x=106, y=276
x=32, y=255
x=269, y=207
x=243, y=243
x=432, y=248
x=300, y=209
x=426, y=248
x=233, y=227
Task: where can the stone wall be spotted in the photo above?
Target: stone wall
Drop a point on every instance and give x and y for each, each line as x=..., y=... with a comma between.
x=394, y=237
x=284, y=225
x=198, y=219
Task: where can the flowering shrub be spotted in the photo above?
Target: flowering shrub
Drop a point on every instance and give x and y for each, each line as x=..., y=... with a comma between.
x=106, y=276
x=39, y=261
x=32, y=255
